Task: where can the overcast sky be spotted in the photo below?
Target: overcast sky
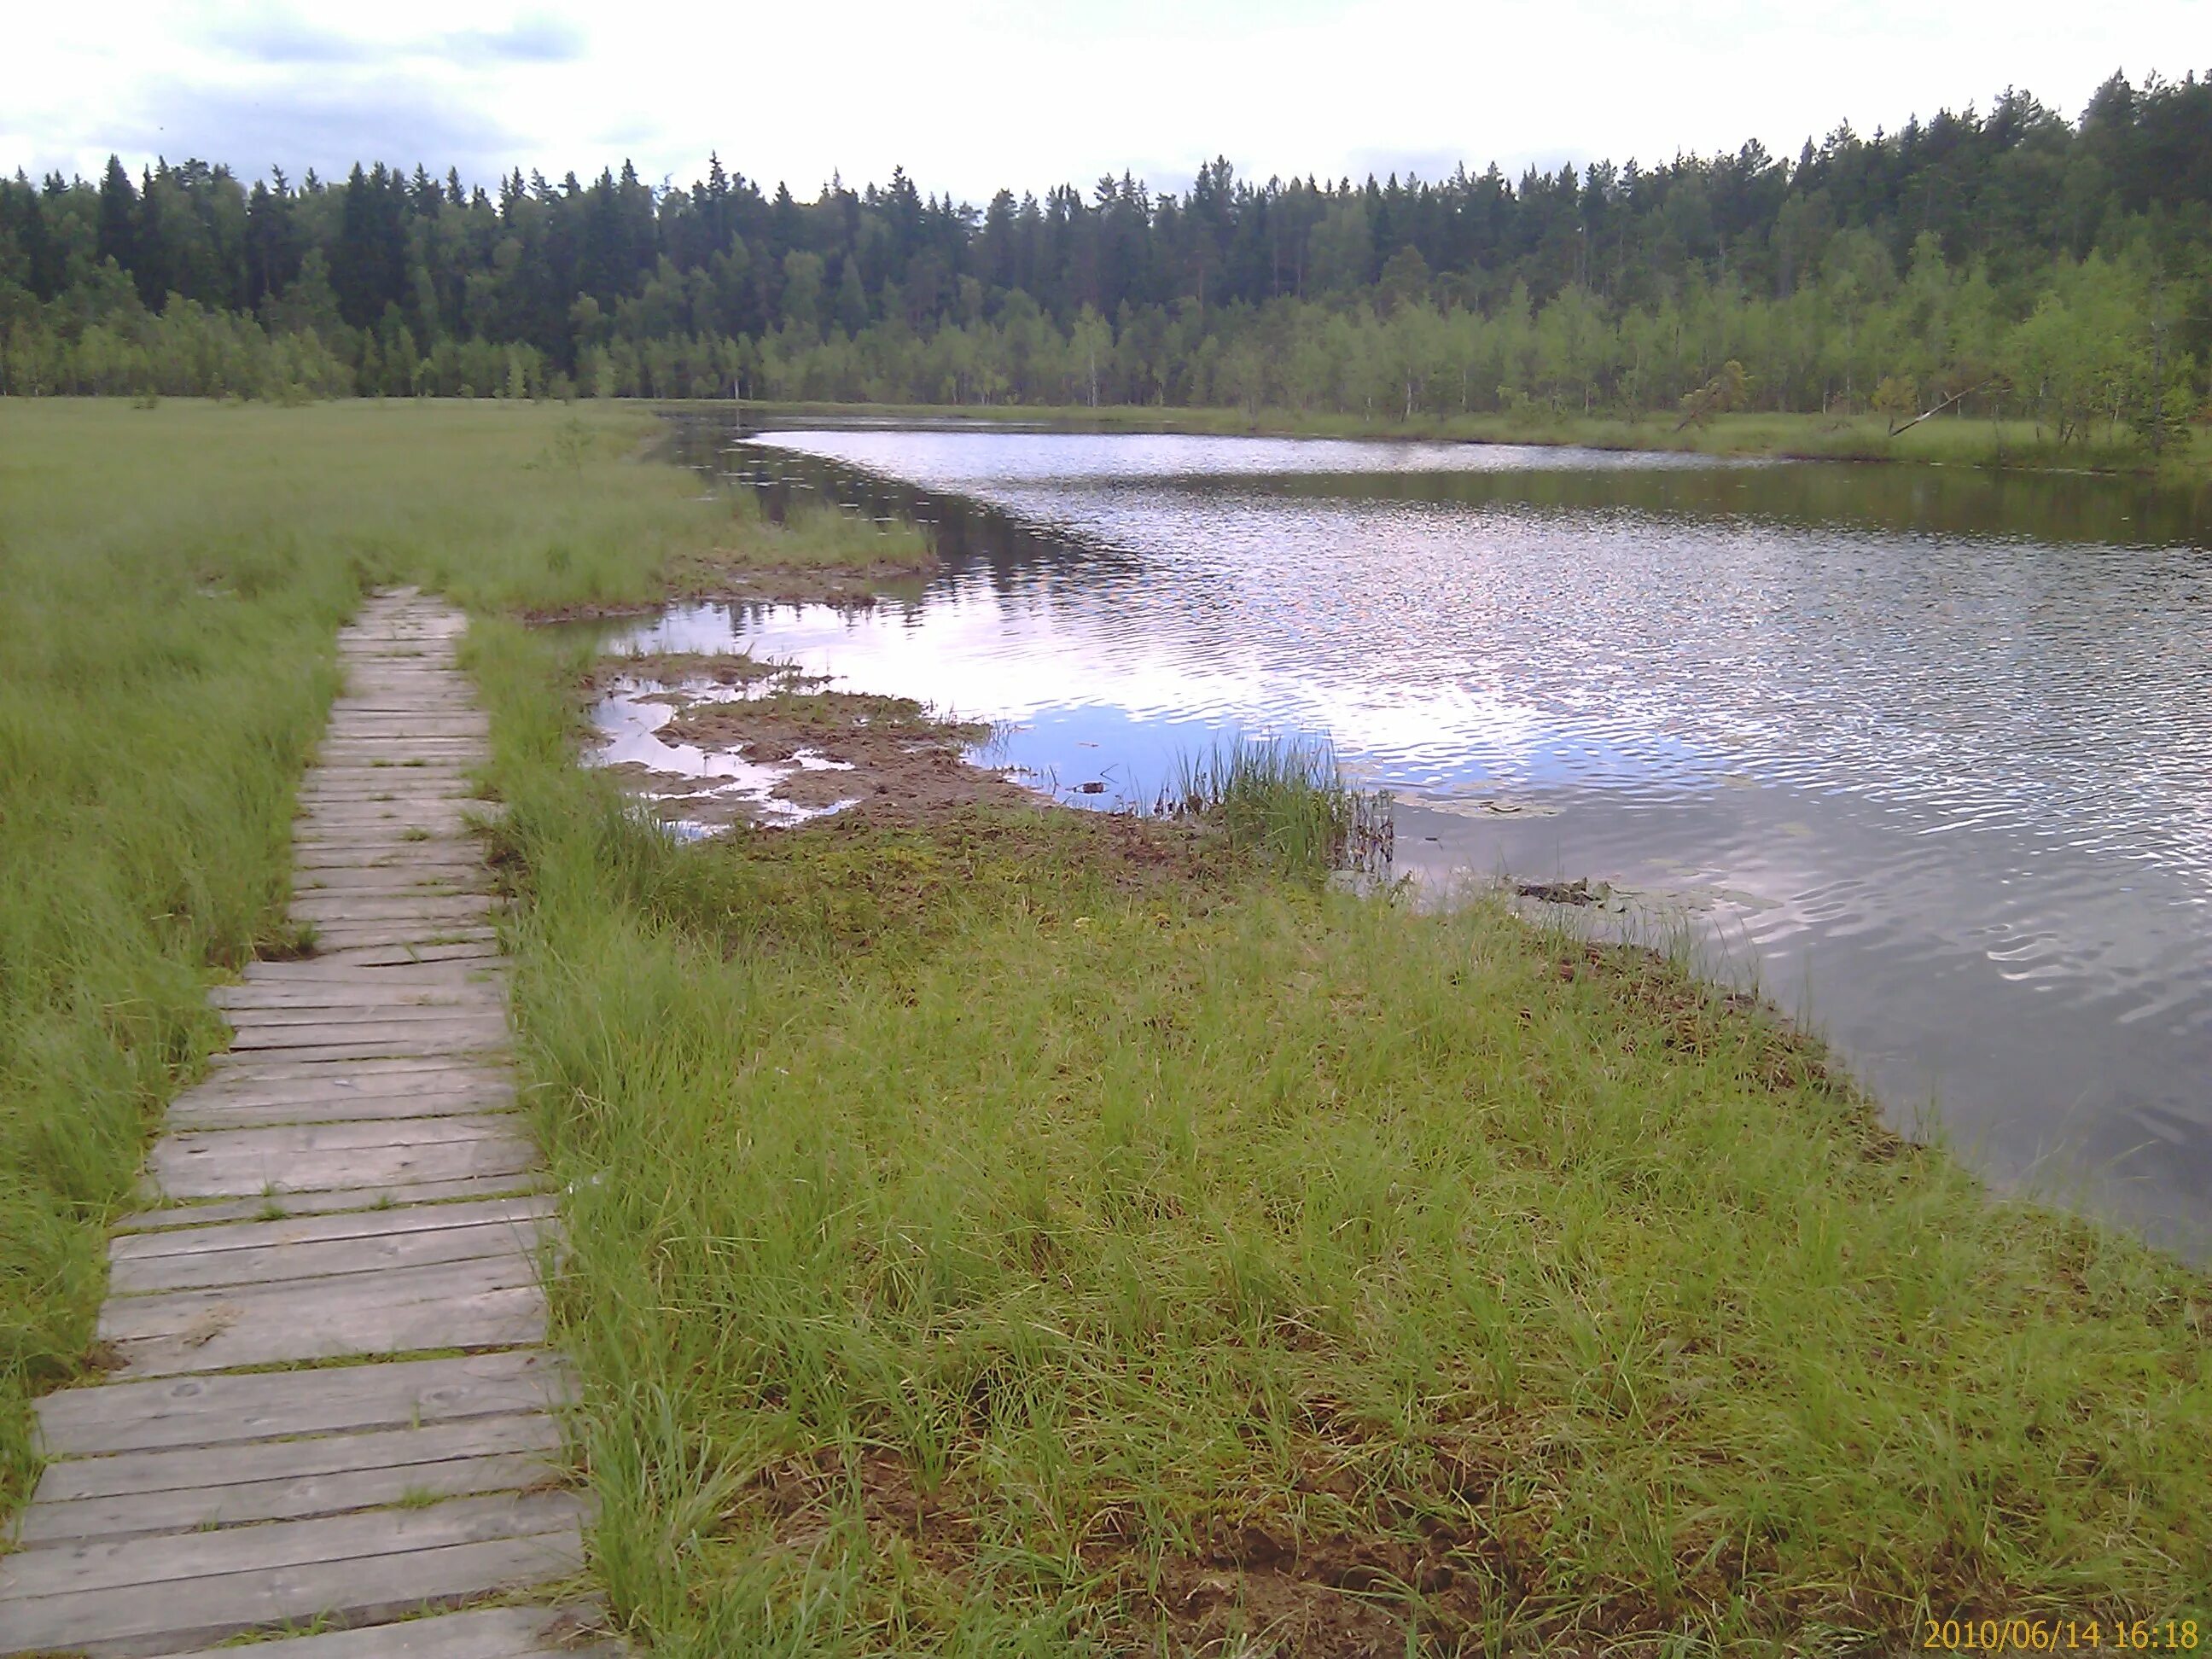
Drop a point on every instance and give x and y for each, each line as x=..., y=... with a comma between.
x=970, y=95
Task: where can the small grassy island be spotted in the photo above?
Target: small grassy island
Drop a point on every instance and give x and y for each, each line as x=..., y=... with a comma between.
x=1001, y=1229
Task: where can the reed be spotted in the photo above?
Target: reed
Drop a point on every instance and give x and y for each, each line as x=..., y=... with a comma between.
x=1287, y=798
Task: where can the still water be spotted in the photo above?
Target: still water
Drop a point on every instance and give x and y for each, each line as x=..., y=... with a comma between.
x=1927, y=753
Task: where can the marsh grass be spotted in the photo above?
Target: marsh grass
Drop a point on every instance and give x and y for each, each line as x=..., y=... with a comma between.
x=1286, y=798
x=1046, y=1233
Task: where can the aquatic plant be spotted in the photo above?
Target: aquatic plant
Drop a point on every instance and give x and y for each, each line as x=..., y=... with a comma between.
x=1288, y=798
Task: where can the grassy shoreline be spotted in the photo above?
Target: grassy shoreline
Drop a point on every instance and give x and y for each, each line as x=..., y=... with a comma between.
x=994, y=1236
x=1022, y=1230
x=1946, y=440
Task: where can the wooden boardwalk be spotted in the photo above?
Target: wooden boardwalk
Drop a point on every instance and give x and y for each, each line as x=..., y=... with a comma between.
x=330, y=1405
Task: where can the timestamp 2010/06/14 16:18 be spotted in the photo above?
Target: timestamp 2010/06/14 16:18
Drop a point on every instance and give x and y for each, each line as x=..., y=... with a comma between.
x=2060, y=1635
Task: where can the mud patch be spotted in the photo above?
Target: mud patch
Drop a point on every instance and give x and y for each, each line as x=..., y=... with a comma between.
x=900, y=762
x=715, y=741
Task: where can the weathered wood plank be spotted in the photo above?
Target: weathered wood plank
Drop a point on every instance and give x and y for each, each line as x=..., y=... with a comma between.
x=182, y=1490
x=281, y=1262
x=355, y=1108
x=425, y=1031
x=237, y=1069
x=475, y=1049
x=150, y=1619
x=316, y=971
x=494, y=1302
x=458, y=883
x=477, y=953
x=449, y=853
x=450, y=1076
x=334, y=1201
x=180, y=1469
x=251, y=1019
x=369, y=941
x=353, y=1538
x=285, y=1497
x=262, y=999
x=301, y=1230
x=533, y=1633
x=116, y=1417
x=306, y=1139
x=248, y=1172
x=327, y=907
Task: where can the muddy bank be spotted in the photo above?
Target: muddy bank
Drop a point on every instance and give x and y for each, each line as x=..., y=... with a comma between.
x=711, y=742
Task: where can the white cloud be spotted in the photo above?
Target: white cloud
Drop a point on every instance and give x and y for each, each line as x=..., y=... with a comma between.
x=971, y=94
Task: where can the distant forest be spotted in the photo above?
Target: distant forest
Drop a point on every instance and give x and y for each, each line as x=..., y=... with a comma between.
x=2009, y=262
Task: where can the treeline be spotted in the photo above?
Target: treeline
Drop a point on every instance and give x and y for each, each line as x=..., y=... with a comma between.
x=2012, y=260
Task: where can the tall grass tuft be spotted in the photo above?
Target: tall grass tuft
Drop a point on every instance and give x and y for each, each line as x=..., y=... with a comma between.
x=1287, y=799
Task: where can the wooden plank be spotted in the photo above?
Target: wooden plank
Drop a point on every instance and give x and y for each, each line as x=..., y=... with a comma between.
x=370, y=821
x=436, y=975
x=458, y=751
x=390, y=1072
x=393, y=992
x=378, y=809
x=366, y=1045
x=116, y=1417
x=182, y=1469
x=150, y=1619
x=279, y=1263
x=325, y=906
x=361, y=1537
x=332, y=1202
x=461, y=881
x=247, y=1174
x=491, y=1303
x=475, y=952
x=450, y=1045
x=421, y=1031
x=235, y=1085
x=398, y=995
x=423, y=1094
x=405, y=768
x=254, y=1020
x=302, y=1229
x=357, y=1539
x=359, y=1108
x=388, y=942
x=306, y=1140
x=438, y=719
x=288, y=1480
x=230, y=1065
x=532, y=1632
x=450, y=853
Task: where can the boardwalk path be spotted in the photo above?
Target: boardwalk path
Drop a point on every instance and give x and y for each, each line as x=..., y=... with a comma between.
x=349, y=1186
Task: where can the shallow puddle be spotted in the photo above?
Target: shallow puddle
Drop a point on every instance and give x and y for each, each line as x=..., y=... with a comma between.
x=696, y=791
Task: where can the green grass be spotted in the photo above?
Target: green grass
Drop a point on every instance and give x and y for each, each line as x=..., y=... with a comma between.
x=1031, y=1233
x=1953, y=440
x=1001, y=1237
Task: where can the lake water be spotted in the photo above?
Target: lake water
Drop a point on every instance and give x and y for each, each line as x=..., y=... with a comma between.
x=1929, y=752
